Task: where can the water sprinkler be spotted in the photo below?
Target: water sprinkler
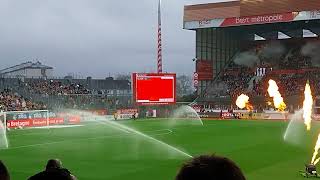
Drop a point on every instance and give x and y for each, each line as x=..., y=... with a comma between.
x=310, y=171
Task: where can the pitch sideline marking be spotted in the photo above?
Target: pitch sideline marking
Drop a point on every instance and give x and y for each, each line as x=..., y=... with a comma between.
x=46, y=127
x=58, y=127
x=169, y=131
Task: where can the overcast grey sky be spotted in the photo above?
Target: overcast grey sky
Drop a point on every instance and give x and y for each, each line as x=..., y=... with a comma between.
x=95, y=37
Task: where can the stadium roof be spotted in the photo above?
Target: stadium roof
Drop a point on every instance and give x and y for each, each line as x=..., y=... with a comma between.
x=26, y=65
x=249, y=12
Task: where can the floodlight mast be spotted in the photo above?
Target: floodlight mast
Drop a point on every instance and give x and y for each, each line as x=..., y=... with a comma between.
x=159, y=48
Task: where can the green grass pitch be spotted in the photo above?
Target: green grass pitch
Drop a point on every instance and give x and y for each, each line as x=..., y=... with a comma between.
x=100, y=152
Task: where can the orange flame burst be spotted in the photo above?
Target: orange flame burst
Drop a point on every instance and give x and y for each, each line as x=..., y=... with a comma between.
x=273, y=91
x=243, y=102
x=307, y=106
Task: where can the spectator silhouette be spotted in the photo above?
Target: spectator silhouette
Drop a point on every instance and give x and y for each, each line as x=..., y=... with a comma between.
x=210, y=167
x=54, y=171
x=4, y=173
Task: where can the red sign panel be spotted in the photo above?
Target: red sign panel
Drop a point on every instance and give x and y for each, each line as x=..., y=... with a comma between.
x=263, y=19
x=127, y=111
x=228, y=115
x=34, y=122
x=204, y=70
x=154, y=89
x=74, y=119
x=38, y=122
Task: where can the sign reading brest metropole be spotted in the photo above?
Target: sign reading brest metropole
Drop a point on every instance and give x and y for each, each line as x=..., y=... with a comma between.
x=251, y=20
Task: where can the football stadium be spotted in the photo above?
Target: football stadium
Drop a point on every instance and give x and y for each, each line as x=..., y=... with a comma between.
x=254, y=112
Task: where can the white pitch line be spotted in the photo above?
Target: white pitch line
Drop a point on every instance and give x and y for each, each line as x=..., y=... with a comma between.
x=100, y=137
x=58, y=127
x=116, y=127
x=112, y=124
x=46, y=132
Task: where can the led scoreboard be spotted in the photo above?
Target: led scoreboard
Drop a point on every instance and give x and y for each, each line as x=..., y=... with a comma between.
x=154, y=89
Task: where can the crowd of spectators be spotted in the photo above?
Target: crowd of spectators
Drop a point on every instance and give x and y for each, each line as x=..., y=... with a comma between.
x=290, y=58
x=56, y=88
x=292, y=84
x=289, y=84
x=12, y=101
x=237, y=79
x=295, y=60
x=88, y=101
x=55, y=94
x=58, y=94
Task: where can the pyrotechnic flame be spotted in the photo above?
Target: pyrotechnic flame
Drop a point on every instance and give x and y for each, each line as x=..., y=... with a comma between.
x=316, y=161
x=242, y=101
x=273, y=91
x=249, y=106
x=307, y=106
x=316, y=151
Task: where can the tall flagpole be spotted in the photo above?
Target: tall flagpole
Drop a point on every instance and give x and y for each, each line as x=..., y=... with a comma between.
x=159, y=57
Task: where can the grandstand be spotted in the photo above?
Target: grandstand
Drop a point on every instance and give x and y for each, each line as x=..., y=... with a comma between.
x=19, y=93
x=241, y=44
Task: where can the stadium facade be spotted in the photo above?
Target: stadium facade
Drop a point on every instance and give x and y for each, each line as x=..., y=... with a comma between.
x=222, y=29
x=28, y=70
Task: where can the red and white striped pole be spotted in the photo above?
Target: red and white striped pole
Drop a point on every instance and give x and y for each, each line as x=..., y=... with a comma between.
x=159, y=57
